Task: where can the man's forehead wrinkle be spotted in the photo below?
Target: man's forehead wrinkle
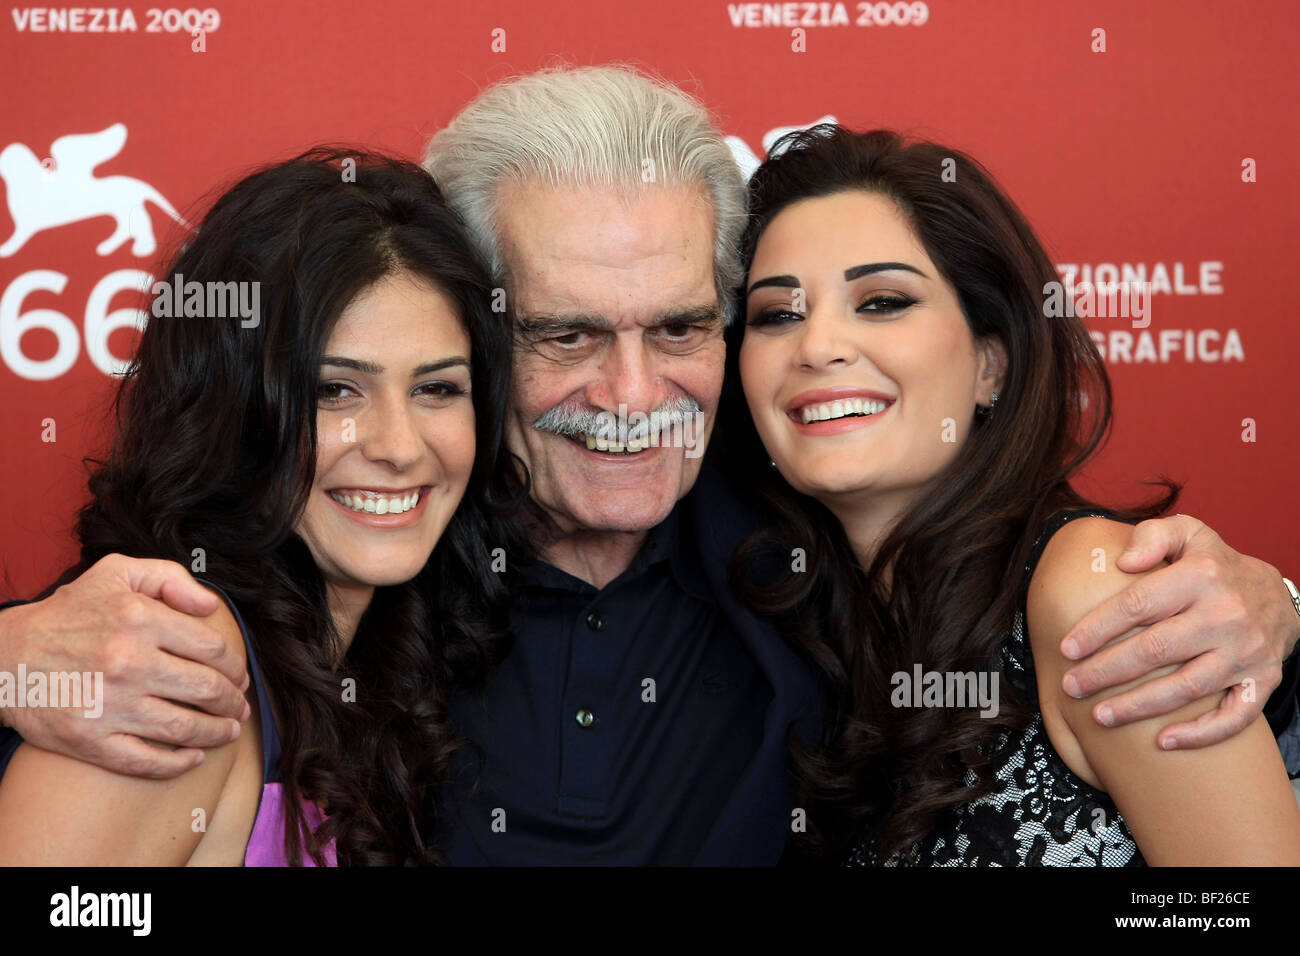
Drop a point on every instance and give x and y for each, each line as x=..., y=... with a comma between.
x=619, y=270
x=555, y=284
x=642, y=308
x=702, y=312
x=605, y=249
x=646, y=263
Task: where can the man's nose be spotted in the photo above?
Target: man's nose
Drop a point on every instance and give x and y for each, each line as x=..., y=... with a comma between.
x=629, y=375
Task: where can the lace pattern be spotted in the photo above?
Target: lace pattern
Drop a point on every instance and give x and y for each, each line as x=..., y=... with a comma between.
x=1040, y=813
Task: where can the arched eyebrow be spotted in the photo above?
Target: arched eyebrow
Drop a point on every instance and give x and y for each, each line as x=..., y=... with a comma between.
x=370, y=368
x=425, y=369
x=856, y=272
x=785, y=282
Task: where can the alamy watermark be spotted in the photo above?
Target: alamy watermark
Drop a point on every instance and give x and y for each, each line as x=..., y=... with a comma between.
x=923, y=688
x=1102, y=300
x=208, y=300
x=66, y=689
x=130, y=910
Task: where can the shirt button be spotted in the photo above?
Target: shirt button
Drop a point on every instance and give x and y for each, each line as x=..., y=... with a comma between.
x=594, y=621
x=585, y=718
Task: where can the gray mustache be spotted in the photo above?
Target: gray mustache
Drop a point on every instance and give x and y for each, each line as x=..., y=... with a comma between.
x=576, y=421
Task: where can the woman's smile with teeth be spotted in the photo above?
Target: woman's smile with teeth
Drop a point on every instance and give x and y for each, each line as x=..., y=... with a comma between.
x=377, y=502
x=841, y=409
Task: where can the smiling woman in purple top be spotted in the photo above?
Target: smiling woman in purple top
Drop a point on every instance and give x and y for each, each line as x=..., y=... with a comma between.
x=306, y=464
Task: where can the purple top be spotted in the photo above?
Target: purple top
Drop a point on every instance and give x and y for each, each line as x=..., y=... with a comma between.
x=266, y=843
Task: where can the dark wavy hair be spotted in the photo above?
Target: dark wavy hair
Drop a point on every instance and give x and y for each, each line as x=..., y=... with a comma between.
x=953, y=591
x=215, y=448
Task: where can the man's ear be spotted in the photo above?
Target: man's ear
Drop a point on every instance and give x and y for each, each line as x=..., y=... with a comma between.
x=991, y=369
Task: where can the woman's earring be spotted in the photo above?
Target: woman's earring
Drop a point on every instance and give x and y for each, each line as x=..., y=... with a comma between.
x=772, y=462
x=993, y=400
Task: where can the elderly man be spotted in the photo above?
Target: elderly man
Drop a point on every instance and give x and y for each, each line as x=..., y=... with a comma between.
x=643, y=715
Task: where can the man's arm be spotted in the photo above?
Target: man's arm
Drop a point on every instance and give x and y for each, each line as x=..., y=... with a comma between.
x=57, y=811
x=168, y=677
x=1226, y=617
x=1229, y=804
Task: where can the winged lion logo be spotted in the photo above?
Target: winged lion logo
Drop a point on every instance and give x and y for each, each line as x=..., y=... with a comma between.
x=64, y=190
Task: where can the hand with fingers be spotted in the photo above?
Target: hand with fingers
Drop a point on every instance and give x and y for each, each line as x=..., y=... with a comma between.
x=1225, y=617
x=171, y=683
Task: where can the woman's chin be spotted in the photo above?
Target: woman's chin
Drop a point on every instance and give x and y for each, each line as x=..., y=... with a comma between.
x=384, y=573
x=832, y=485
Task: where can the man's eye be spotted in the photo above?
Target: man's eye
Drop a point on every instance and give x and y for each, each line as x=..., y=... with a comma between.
x=557, y=345
x=680, y=335
x=569, y=340
x=680, y=338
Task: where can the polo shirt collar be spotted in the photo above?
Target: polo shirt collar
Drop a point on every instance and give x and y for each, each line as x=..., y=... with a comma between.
x=669, y=541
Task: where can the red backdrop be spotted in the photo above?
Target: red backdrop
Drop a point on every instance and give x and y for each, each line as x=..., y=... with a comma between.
x=1133, y=155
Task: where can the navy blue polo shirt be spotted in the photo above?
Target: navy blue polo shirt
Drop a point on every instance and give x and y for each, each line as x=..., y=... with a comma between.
x=618, y=728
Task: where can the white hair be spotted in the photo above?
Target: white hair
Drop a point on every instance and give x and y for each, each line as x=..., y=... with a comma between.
x=588, y=126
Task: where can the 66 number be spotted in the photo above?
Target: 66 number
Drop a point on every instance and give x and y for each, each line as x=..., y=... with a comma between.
x=99, y=323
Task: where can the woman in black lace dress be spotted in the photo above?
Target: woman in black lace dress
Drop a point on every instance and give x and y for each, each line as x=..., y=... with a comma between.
x=921, y=395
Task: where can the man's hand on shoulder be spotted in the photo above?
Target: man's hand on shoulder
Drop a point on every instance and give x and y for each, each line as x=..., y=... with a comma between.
x=58, y=811
x=168, y=676
x=1225, y=617
x=1229, y=804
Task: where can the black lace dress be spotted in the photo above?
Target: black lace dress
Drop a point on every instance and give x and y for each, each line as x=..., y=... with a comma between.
x=1040, y=813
